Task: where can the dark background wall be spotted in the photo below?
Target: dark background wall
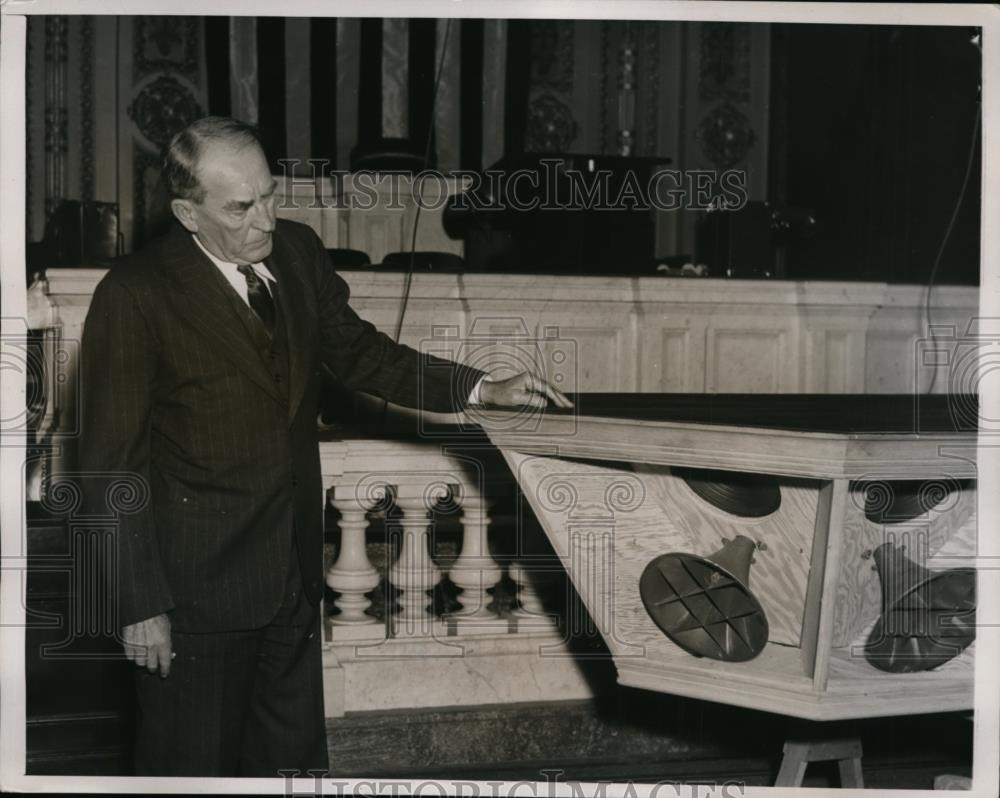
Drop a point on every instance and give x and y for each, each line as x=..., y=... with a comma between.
x=867, y=127
x=872, y=128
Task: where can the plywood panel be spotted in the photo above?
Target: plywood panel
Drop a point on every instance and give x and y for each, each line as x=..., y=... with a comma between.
x=607, y=523
x=948, y=529
x=780, y=570
x=814, y=663
x=604, y=531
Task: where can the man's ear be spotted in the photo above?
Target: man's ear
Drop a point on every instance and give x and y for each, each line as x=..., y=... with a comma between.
x=185, y=214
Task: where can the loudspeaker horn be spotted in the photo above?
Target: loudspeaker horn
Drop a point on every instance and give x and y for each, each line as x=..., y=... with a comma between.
x=704, y=604
x=928, y=617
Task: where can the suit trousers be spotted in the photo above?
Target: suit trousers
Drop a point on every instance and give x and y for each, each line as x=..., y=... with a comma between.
x=242, y=703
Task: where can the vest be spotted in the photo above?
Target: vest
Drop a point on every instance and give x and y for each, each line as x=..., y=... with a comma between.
x=272, y=350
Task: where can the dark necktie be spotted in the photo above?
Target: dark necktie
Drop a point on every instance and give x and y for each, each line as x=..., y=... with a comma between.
x=261, y=301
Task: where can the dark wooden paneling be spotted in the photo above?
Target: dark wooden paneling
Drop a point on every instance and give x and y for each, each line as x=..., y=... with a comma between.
x=323, y=90
x=872, y=130
x=471, y=93
x=517, y=84
x=78, y=687
x=271, y=88
x=217, y=65
x=370, y=86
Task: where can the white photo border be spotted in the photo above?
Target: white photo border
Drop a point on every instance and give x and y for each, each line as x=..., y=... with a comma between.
x=13, y=306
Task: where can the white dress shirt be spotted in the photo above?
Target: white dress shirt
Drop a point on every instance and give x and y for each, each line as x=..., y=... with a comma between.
x=239, y=283
x=231, y=272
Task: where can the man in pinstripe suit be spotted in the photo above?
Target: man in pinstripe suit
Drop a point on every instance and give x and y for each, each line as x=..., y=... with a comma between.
x=201, y=357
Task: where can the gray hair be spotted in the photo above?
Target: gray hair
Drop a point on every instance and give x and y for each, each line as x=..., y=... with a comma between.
x=180, y=160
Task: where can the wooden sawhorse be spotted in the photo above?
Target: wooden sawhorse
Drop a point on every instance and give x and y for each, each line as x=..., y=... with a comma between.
x=799, y=753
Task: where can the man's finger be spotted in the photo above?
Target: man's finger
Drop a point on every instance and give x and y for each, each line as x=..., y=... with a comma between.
x=534, y=400
x=166, y=656
x=135, y=648
x=542, y=387
x=145, y=652
x=560, y=398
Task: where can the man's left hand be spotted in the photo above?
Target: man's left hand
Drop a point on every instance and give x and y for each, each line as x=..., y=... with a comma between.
x=522, y=390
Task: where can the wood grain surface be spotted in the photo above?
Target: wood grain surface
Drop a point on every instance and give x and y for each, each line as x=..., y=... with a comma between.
x=948, y=529
x=780, y=565
x=606, y=521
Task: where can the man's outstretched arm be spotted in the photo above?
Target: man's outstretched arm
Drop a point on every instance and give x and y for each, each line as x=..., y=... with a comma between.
x=364, y=359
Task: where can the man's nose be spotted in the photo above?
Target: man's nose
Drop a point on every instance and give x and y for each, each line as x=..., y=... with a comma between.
x=263, y=216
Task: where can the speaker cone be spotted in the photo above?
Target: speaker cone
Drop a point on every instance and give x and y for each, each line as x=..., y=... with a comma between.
x=704, y=604
x=928, y=617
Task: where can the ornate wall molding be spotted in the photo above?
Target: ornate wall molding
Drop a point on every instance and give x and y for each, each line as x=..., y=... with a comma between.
x=87, y=154
x=551, y=124
x=551, y=127
x=160, y=108
x=724, y=52
x=56, y=53
x=166, y=94
x=649, y=81
x=725, y=135
x=627, y=63
x=164, y=43
x=724, y=132
x=605, y=46
x=552, y=55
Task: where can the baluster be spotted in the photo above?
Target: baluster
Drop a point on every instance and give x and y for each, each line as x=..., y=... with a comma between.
x=532, y=585
x=415, y=572
x=353, y=575
x=475, y=570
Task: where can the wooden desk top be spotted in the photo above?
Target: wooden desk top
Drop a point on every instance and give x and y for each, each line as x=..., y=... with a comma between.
x=825, y=413
x=825, y=436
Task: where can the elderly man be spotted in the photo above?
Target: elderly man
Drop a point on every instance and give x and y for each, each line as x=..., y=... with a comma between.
x=201, y=357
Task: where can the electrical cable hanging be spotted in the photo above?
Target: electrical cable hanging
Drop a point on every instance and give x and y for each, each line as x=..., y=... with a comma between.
x=427, y=155
x=951, y=226
x=408, y=280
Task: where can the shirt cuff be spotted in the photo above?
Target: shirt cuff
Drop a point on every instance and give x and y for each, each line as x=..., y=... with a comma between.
x=475, y=397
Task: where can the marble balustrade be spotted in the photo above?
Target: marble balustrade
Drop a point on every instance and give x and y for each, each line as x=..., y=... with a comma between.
x=485, y=647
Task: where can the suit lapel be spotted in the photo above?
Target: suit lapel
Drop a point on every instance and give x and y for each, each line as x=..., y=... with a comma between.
x=207, y=306
x=286, y=267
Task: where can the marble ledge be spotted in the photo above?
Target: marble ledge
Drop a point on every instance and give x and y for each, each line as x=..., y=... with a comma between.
x=489, y=670
x=413, y=460
x=547, y=288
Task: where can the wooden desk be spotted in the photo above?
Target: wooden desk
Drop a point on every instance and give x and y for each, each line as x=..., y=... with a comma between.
x=611, y=484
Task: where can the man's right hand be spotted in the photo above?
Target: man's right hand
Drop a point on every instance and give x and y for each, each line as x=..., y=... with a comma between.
x=147, y=644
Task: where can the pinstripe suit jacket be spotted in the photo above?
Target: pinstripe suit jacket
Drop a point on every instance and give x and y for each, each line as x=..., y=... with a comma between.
x=174, y=390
